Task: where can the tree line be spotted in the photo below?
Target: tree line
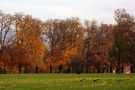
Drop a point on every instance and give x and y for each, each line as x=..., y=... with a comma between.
x=30, y=45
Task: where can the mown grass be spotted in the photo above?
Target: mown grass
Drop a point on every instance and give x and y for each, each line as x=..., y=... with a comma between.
x=67, y=82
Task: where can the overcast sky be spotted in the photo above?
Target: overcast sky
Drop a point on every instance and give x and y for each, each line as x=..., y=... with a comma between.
x=101, y=10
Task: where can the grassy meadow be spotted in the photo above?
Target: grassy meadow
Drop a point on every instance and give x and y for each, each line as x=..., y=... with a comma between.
x=67, y=82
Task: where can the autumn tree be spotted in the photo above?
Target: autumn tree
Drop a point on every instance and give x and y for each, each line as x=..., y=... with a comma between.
x=62, y=37
x=6, y=34
x=105, y=41
x=28, y=34
x=97, y=41
x=124, y=25
x=89, y=43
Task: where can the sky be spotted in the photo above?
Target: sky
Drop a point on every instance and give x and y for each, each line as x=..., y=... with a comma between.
x=100, y=10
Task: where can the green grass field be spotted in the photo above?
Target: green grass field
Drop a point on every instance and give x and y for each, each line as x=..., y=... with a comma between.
x=67, y=82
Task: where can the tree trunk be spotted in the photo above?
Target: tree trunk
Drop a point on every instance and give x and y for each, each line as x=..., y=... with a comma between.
x=98, y=68
x=51, y=68
x=20, y=69
x=37, y=69
x=132, y=69
x=118, y=70
x=60, y=68
x=111, y=70
x=87, y=61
